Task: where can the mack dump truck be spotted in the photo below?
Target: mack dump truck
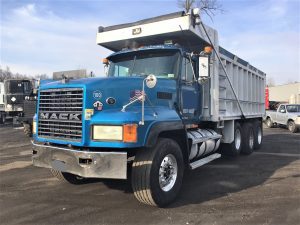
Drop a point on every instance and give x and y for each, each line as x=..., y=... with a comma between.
x=172, y=100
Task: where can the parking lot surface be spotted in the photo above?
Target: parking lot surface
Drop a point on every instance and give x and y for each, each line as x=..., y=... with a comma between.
x=263, y=188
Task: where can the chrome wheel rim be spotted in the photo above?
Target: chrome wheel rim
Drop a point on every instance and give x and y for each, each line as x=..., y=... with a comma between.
x=237, y=139
x=259, y=136
x=168, y=172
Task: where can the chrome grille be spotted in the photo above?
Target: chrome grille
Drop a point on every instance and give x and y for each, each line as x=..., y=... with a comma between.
x=60, y=114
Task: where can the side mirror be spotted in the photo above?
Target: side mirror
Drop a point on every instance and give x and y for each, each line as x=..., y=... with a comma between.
x=106, y=64
x=203, y=67
x=282, y=111
x=151, y=81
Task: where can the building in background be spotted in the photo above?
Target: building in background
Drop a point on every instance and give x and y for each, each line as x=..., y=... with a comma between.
x=289, y=93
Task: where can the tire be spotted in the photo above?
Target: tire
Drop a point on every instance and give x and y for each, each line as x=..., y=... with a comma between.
x=67, y=177
x=27, y=129
x=292, y=126
x=2, y=118
x=269, y=123
x=148, y=169
x=248, y=137
x=233, y=149
x=258, y=134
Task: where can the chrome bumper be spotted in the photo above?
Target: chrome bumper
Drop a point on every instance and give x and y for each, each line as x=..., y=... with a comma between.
x=83, y=163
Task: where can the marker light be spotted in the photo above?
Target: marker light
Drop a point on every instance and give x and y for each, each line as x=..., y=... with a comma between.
x=105, y=61
x=130, y=133
x=168, y=42
x=208, y=49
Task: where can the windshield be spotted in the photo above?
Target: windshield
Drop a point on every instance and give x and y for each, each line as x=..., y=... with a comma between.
x=163, y=64
x=293, y=108
x=19, y=86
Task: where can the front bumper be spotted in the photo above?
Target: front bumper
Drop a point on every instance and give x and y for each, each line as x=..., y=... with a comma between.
x=82, y=163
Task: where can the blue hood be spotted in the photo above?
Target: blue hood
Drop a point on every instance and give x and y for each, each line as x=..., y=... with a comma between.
x=162, y=98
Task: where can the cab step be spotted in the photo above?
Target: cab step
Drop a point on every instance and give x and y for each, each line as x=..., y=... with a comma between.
x=204, y=161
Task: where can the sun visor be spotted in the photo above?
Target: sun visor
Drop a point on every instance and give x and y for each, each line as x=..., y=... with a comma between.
x=176, y=27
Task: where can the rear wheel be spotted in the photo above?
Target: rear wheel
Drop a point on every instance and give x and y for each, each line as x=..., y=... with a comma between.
x=234, y=148
x=248, y=138
x=258, y=134
x=292, y=126
x=157, y=173
x=67, y=177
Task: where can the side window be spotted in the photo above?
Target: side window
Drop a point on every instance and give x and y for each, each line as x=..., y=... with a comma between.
x=186, y=70
x=282, y=109
x=121, y=71
x=27, y=87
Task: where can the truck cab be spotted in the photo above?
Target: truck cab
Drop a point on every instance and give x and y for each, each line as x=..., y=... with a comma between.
x=13, y=95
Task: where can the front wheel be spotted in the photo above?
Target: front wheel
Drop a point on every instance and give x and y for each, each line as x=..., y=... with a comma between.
x=292, y=126
x=269, y=123
x=157, y=173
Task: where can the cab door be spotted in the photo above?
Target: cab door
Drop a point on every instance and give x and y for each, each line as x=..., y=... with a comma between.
x=282, y=115
x=189, y=92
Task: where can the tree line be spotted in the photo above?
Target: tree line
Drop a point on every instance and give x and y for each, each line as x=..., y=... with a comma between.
x=7, y=74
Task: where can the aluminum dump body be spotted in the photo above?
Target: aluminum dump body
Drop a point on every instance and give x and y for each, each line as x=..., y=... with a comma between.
x=219, y=102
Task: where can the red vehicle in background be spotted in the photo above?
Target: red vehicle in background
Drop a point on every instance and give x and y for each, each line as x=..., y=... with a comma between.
x=267, y=106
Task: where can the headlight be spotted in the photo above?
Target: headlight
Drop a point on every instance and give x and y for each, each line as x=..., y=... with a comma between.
x=113, y=133
x=34, y=127
x=125, y=133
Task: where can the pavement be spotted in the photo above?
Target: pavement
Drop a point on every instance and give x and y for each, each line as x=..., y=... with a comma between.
x=263, y=188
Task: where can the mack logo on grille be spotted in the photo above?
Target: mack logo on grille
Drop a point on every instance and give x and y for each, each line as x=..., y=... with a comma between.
x=60, y=116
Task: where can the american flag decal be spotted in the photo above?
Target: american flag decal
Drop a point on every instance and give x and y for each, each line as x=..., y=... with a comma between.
x=135, y=94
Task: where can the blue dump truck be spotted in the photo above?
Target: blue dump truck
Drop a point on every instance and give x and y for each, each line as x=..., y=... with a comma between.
x=172, y=100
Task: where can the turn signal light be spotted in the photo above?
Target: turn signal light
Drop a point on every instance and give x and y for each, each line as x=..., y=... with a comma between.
x=208, y=49
x=130, y=133
x=105, y=61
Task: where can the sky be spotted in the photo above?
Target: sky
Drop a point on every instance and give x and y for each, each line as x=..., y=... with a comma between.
x=44, y=36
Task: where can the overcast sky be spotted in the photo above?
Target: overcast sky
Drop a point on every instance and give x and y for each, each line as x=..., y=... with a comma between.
x=53, y=35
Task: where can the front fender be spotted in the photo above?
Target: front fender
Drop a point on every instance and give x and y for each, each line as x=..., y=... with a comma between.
x=160, y=127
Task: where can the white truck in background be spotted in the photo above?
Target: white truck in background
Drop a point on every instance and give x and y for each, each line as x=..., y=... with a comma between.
x=12, y=96
x=287, y=115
